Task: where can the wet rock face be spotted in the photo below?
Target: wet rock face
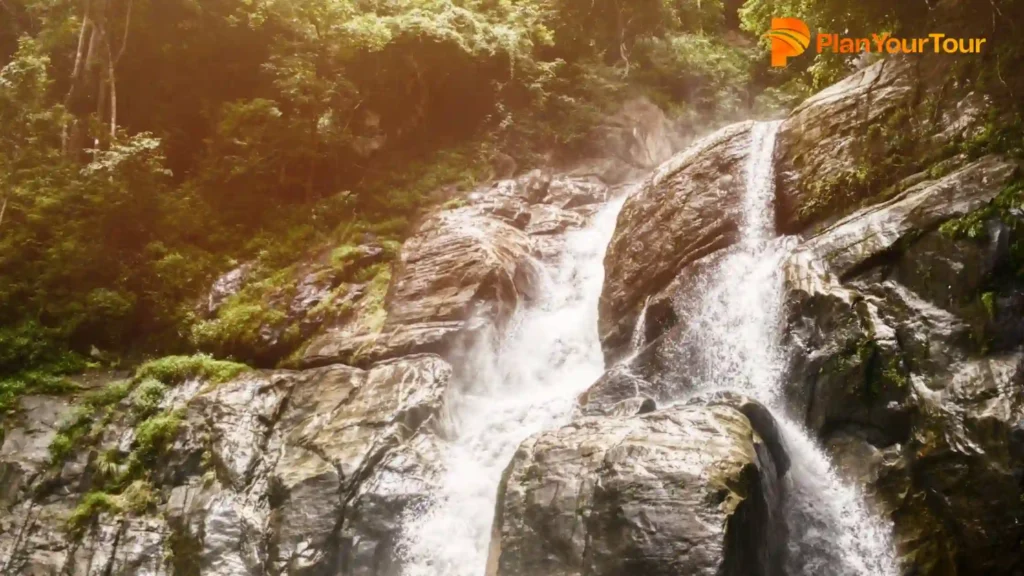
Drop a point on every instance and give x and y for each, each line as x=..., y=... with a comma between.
x=688, y=208
x=902, y=306
x=25, y=453
x=686, y=490
x=910, y=376
x=277, y=472
x=872, y=135
x=291, y=311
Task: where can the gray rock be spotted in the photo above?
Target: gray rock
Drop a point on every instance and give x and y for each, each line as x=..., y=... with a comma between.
x=874, y=231
x=460, y=268
x=226, y=286
x=686, y=490
x=25, y=452
x=828, y=136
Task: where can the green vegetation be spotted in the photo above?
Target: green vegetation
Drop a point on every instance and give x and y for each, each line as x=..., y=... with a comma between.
x=1002, y=208
x=137, y=498
x=299, y=124
x=155, y=434
x=92, y=505
x=38, y=381
x=122, y=482
x=176, y=369
x=147, y=396
x=988, y=300
x=87, y=420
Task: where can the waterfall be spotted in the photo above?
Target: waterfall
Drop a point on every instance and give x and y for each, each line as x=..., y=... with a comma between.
x=527, y=383
x=734, y=332
x=639, y=338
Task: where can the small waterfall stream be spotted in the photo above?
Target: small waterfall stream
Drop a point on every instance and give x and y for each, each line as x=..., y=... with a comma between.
x=526, y=384
x=530, y=381
x=735, y=334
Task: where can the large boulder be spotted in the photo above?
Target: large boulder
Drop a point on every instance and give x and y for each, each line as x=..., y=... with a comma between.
x=828, y=135
x=462, y=270
x=687, y=490
x=687, y=209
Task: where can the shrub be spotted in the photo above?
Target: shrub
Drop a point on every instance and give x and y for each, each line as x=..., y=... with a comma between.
x=92, y=505
x=109, y=395
x=138, y=496
x=147, y=397
x=155, y=434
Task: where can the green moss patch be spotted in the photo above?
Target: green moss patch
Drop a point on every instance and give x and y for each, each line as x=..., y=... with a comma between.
x=173, y=370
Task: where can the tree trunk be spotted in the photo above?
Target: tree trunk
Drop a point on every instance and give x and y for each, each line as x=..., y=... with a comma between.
x=94, y=76
x=112, y=63
x=69, y=133
x=112, y=81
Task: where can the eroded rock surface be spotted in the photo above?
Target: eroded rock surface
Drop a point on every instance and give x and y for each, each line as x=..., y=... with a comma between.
x=902, y=307
x=903, y=322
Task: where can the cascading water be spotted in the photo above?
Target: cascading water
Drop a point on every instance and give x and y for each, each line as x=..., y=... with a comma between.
x=640, y=330
x=526, y=384
x=734, y=335
x=530, y=381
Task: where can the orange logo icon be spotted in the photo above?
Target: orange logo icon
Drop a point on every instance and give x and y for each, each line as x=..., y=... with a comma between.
x=790, y=37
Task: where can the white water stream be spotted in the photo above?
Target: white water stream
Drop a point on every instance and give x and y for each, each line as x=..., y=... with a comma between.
x=735, y=334
x=530, y=382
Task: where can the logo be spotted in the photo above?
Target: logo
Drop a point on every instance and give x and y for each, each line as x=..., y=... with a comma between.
x=790, y=37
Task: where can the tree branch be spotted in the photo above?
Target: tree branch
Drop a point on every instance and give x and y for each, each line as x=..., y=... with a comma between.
x=2, y=210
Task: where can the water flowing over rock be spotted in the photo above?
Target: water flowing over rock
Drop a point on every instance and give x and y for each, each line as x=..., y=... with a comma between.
x=899, y=363
x=903, y=317
x=726, y=314
x=688, y=208
x=466, y=271
x=511, y=389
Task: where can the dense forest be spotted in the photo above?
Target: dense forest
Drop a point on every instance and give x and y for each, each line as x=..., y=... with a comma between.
x=147, y=146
